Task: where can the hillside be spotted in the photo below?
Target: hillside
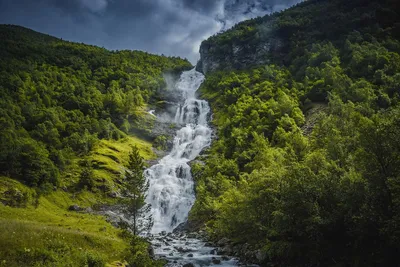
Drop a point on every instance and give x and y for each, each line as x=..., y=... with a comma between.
x=68, y=112
x=279, y=38
x=305, y=169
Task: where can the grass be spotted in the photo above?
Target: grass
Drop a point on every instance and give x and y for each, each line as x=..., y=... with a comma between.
x=46, y=233
x=50, y=235
x=108, y=156
x=27, y=243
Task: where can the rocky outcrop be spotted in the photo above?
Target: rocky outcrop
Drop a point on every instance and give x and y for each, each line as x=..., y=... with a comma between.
x=234, y=53
x=75, y=208
x=247, y=253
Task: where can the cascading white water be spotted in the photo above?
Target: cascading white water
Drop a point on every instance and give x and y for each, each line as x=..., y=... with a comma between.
x=171, y=191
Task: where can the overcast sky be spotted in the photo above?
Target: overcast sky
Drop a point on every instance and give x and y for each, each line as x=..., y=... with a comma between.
x=169, y=27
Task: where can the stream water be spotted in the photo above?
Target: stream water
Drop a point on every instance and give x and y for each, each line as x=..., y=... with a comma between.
x=171, y=192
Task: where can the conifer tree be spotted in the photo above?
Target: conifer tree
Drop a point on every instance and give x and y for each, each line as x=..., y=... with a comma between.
x=136, y=188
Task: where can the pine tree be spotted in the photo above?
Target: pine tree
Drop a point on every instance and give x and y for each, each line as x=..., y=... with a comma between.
x=136, y=188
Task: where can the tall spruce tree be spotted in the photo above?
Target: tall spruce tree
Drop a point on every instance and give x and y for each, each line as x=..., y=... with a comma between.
x=136, y=188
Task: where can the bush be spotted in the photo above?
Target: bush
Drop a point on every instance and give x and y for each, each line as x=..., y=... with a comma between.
x=94, y=260
x=16, y=198
x=86, y=179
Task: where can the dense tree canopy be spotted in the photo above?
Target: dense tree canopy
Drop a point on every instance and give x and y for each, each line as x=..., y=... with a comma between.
x=58, y=98
x=306, y=164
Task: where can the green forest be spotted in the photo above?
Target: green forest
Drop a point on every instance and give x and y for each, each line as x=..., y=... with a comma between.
x=306, y=164
x=58, y=98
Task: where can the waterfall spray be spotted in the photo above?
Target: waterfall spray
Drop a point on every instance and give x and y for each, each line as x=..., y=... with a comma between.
x=171, y=191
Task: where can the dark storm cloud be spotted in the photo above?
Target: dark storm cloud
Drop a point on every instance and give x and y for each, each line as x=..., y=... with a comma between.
x=170, y=27
x=203, y=6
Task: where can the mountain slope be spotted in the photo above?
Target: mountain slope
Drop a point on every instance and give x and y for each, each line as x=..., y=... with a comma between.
x=305, y=170
x=274, y=38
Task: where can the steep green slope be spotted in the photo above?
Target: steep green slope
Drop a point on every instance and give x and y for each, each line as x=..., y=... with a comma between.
x=67, y=111
x=282, y=37
x=58, y=98
x=306, y=167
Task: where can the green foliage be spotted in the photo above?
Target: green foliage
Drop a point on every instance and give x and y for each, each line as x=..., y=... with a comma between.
x=50, y=235
x=86, y=179
x=59, y=98
x=136, y=187
x=306, y=164
x=15, y=198
x=161, y=142
x=140, y=256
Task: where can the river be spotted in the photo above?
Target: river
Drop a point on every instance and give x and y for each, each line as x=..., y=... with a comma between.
x=171, y=191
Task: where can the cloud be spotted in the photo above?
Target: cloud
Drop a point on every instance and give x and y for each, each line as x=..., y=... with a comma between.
x=170, y=27
x=95, y=5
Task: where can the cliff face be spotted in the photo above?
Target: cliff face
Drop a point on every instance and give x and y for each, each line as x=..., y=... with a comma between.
x=281, y=37
x=255, y=46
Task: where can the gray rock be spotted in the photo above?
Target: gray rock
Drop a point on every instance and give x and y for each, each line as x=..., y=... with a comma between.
x=113, y=194
x=89, y=210
x=188, y=265
x=190, y=255
x=237, y=249
x=75, y=208
x=245, y=247
x=223, y=241
x=260, y=255
x=226, y=250
x=216, y=261
x=182, y=250
x=150, y=250
x=192, y=235
x=237, y=55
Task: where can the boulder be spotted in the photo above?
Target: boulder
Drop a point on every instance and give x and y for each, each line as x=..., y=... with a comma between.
x=226, y=250
x=183, y=250
x=223, y=242
x=89, y=210
x=225, y=258
x=113, y=194
x=150, y=250
x=216, y=261
x=192, y=235
x=75, y=208
x=260, y=255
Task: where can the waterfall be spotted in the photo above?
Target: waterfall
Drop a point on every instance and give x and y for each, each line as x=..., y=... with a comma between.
x=171, y=190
